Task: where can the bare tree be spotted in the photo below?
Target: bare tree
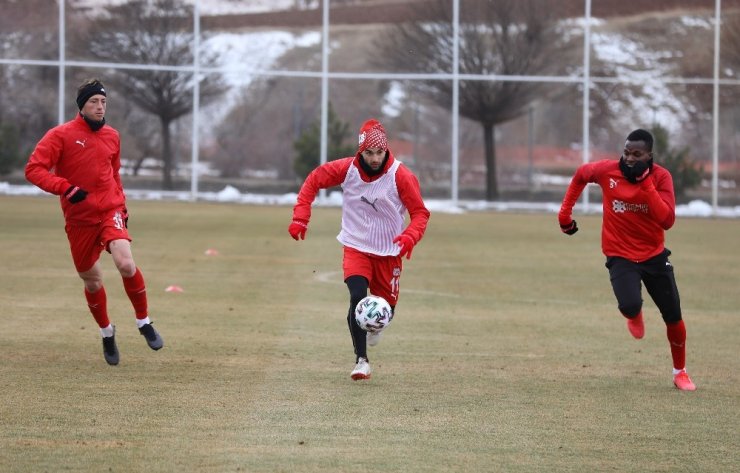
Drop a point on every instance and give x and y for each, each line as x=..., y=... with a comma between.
x=153, y=32
x=731, y=95
x=25, y=117
x=730, y=49
x=695, y=62
x=497, y=37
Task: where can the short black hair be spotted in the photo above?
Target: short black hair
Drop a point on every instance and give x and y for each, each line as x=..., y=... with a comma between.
x=642, y=135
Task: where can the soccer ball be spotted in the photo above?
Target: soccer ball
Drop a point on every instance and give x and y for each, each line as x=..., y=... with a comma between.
x=373, y=314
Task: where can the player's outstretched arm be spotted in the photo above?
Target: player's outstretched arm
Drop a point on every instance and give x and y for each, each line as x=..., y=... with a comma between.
x=576, y=186
x=327, y=175
x=410, y=193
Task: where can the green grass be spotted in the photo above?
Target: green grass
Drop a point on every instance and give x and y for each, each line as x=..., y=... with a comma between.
x=507, y=352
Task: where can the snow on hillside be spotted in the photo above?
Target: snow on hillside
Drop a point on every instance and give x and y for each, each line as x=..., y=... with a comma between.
x=631, y=62
x=209, y=7
x=232, y=7
x=255, y=51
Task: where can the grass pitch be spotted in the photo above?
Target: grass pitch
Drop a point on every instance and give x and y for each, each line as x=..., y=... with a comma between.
x=507, y=352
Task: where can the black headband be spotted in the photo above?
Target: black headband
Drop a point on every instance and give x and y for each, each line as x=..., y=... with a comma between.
x=96, y=88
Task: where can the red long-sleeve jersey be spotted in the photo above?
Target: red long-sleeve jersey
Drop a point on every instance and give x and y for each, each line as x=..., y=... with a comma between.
x=333, y=173
x=635, y=215
x=73, y=154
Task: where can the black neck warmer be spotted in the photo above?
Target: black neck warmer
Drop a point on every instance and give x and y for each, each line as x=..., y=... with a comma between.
x=632, y=173
x=93, y=124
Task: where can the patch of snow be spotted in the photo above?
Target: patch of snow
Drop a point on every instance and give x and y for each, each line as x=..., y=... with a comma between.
x=230, y=194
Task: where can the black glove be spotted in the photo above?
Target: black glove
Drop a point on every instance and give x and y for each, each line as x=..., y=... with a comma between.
x=638, y=172
x=569, y=229
x=75, y=194
x=641, y=170
x=125, y=217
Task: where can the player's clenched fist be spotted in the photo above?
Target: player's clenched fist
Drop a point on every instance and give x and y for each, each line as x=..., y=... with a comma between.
x=406, y=243
x=298, y=228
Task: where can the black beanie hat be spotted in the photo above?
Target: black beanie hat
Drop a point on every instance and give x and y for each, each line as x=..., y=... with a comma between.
x=89, y=89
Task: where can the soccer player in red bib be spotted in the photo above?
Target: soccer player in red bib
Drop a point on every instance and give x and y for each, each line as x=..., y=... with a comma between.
x=377, y=192
x=639, y=206
x=79, y=161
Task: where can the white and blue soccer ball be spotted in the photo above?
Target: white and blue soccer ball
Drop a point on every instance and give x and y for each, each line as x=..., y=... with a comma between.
x=373, y=314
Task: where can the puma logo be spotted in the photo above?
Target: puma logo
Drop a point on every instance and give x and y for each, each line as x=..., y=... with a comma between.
x=371, y=204
x=81, y=143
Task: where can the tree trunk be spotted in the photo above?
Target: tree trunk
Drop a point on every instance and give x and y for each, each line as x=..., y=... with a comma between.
x=490, y=153
x=166, y=156
x=137, y=165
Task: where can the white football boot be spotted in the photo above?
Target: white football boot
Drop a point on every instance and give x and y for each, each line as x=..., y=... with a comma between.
x=362, y=370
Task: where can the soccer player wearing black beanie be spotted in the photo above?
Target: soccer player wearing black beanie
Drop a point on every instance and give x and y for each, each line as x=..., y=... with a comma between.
x=80, y=161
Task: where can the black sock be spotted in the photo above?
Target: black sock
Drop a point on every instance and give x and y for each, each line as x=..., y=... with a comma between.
x=357, y=286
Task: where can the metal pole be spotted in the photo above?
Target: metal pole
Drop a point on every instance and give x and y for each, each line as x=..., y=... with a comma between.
x=530, y=146
x=715, y=109
x=454, y=191
x=586, y=93
x=324, y=88
x=62, y=47
x=195, y=143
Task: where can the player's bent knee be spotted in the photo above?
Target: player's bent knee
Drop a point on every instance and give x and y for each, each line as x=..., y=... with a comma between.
x=92, y=285
x=126, y=267
x=631, y=310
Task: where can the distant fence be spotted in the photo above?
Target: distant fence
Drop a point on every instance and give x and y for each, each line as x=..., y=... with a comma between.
x=447, y=176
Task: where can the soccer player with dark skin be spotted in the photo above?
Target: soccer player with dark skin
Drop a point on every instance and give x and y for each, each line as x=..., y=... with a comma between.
x=638, y=207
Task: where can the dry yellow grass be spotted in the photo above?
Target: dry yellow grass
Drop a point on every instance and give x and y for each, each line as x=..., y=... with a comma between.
x=507, y=353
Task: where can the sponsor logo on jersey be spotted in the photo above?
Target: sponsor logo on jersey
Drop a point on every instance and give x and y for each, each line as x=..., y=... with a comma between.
x=619, y=206
x=371, y=204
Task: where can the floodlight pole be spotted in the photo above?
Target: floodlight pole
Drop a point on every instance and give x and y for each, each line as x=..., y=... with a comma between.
x=62, y=47
x=455, y=102
x=195, y=143
x=324, y=88
x=715, y=109
x=586, y=145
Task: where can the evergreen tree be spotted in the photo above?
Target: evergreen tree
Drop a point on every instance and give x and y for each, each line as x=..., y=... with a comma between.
x=308, y=145
x=686, y=172
x=10, y=157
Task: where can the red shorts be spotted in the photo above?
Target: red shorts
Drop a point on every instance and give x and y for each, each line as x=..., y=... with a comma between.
x=382, y=272
x=88, y=241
